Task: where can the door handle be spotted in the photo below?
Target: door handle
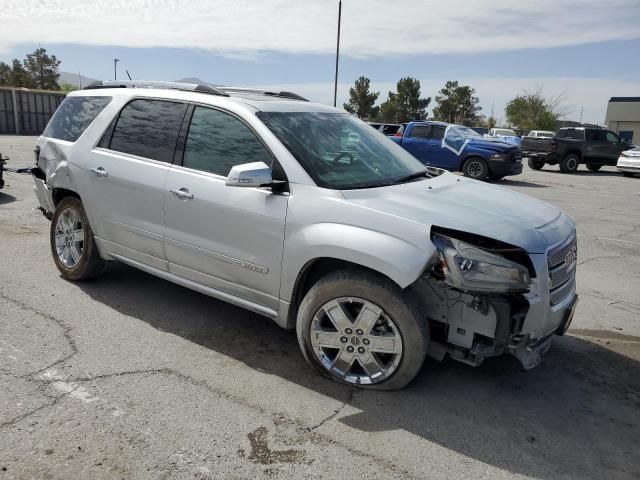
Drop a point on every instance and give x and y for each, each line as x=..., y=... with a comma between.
x=182, y=193
x=100, y=172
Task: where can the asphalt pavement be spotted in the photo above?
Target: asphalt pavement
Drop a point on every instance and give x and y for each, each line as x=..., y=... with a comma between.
x=130, y=376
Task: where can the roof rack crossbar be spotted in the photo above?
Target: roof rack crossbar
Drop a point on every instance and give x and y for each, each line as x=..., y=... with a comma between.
x=281, y=94
x=185, y=87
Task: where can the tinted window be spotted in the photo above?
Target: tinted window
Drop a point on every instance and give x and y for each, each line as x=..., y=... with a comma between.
x=149, y=128
x=594, y=135
x=73, y=116
x=612, y=137
x=571, y=133
x=419, y=131
x=390, y=129
x=437, y=132
x=218, y=141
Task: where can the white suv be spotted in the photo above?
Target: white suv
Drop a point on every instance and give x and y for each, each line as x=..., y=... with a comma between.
x=306, y=215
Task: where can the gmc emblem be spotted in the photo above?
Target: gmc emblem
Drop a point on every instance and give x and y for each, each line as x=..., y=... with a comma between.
x=570, y=257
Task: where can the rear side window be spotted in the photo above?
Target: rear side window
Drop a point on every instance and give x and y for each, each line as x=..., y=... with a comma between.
x=595, y=135
x=73, y=116
x=149, y=129
x=419, y=131
x=571, y=133
x=437, y=132
x=218, y=141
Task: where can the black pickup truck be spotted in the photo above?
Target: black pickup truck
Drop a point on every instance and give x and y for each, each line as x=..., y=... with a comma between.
x=572, y=146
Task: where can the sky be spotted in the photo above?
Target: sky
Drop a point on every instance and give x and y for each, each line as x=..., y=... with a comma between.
x=585, y=50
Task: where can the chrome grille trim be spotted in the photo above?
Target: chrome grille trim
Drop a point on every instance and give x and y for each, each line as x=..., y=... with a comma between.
x=562, y=276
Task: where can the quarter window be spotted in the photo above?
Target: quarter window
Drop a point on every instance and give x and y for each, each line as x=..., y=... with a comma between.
x=149, y=128
x=73, y=116
x=218, y=141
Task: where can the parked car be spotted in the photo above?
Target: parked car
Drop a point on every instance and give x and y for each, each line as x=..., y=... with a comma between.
x=386, y=128
x=572, y=146
x=480, y=130
x=302, y=213
x=505, y=134
x=629, y=162
x=3, y=161
x=460, y=149
x=539, y=134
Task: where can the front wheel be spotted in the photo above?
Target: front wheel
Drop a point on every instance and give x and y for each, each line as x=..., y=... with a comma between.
x=570, y=163
x=361, y=329
x=593, y=167
x=535, y=164
x=475, y=168
x=72, y=245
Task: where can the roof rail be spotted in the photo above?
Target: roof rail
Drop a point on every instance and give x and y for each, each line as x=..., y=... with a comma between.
x=185, y=87
x=282, y=94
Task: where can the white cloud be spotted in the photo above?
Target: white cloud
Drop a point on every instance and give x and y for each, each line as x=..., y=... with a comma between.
x=370, y=27
x=591, y=94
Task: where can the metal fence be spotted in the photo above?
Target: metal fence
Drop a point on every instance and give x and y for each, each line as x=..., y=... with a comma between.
x=26, y=112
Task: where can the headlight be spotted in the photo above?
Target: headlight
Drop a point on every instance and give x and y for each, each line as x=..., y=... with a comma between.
x=498, y=156
x=470, y=268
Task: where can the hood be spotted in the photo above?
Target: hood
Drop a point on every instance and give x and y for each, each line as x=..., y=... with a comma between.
x=467, y=205
x=488, y=143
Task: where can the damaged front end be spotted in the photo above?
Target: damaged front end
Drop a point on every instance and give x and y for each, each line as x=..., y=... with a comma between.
x=484, y=298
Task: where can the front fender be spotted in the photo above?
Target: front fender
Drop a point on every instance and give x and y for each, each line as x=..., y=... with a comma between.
x=399, y=260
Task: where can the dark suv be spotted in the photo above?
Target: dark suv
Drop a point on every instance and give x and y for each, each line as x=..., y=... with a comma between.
x=572, y=146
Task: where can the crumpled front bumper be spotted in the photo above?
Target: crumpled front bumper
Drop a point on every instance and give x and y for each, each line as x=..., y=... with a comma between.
x=43, y=192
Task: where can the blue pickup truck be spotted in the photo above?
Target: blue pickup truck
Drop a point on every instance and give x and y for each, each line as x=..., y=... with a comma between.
x=460, y=149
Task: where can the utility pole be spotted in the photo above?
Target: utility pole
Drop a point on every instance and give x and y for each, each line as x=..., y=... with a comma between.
x=115, y=68
x=581, y=110
x=335, y=86
x=79, y=81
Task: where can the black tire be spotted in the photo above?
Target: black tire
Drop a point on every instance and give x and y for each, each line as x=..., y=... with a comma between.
x=396, y=304
x=570, y=163
x=628, y=174
x=90, y=264
x=476, y=168
x=593, y=167
x=535, y=164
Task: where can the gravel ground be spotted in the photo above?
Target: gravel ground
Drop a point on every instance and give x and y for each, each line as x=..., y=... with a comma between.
x=130, y=376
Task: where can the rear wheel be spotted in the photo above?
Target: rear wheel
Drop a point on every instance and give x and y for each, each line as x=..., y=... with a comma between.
x=361, y=329
x=475, y=168
x=72, y=245
x=570, y=163
x=535, y=164
x=593, y=167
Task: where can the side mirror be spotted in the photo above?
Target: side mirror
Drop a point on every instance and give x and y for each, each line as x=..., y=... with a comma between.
x=256, y=174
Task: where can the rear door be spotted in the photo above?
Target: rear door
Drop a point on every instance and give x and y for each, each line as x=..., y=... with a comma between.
x=416, y=142
x=227, y=238
x=127, y=172
x=596, y=147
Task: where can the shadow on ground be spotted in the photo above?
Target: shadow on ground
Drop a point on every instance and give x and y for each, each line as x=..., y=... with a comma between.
x=506, y=182
x=6, y=198
x=575, y=416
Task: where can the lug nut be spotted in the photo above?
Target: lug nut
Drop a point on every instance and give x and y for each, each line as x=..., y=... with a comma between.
x=350, y=349
x=360, y=350
x=344, y=339
x=365, y=341
x=359, y=332
x=348, y=331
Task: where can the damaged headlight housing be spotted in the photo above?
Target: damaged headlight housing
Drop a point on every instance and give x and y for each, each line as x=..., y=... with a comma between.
x=467, y=267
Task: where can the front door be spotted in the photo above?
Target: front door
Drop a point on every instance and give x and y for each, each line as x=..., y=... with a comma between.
x=227, y=238
x=127, y=173
x=416, y=143
x=615, y=147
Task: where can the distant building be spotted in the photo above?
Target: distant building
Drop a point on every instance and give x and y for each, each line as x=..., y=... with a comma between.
x=623, y=117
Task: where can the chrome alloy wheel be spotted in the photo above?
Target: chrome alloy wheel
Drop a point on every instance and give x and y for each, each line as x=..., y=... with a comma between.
x=356, y=341
x=475, y=169
x=69, y=237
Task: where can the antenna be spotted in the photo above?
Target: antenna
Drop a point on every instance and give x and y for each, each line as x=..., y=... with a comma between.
x=128, y=74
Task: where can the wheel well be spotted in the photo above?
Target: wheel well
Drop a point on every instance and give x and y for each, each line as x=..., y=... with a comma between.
x=311, y=273
x=578, y=153
x=60, y=193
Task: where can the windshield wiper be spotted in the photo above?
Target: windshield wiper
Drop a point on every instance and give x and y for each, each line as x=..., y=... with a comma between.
x=412, y=176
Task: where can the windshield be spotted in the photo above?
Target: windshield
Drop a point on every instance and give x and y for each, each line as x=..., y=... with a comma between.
x=341, y=152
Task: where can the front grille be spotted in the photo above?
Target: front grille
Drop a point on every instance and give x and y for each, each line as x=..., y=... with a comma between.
x=562, y=270
x=516, y=156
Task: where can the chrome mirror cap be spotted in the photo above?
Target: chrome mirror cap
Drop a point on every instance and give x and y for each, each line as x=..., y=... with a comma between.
x=256, y=174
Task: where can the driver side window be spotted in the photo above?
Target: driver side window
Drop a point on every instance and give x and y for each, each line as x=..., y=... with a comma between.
x=218, y=141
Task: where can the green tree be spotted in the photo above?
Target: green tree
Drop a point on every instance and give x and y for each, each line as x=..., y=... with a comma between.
x=409, y=106
x=533, y=111
x=43, y=69
x=5, y=74
x=362, y=99
x=457, y=104
x=388, y=112
x=68, y=87
x=19, y=76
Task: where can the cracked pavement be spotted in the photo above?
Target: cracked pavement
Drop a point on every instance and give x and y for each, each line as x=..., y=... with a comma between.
x=130, y=376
